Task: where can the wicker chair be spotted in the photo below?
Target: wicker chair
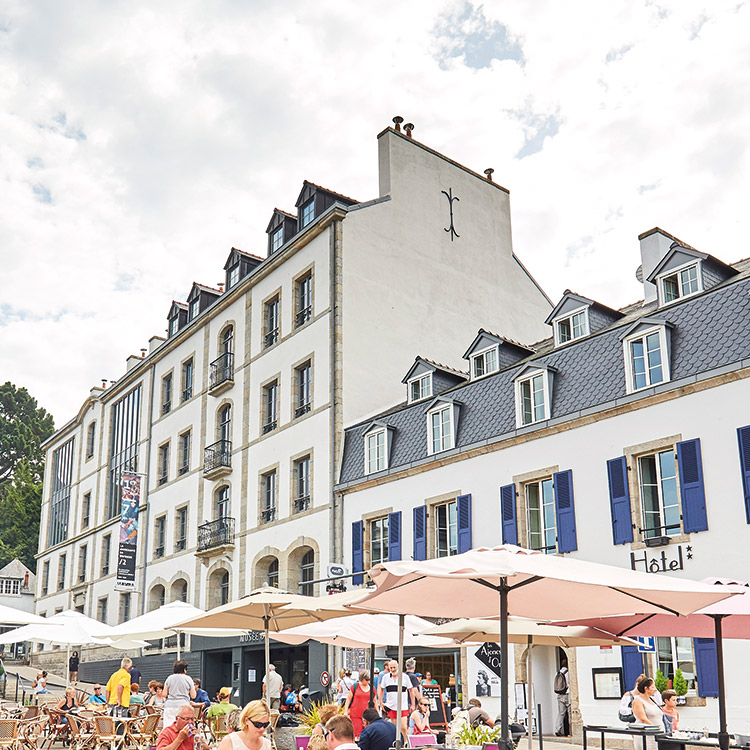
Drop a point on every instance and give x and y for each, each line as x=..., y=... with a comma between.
x=32, y=732
x=80, y=735
x=9, y=733
x=219, y=727
x=105, y=732
x=143, y=733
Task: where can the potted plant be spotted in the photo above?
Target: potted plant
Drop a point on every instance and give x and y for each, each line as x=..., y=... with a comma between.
x=311, y=717
x=474, y=737
x=680, y=686
x=661, y=681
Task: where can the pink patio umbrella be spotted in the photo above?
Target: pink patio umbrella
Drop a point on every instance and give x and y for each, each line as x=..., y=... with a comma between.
x=729, y=618
x=521, y=582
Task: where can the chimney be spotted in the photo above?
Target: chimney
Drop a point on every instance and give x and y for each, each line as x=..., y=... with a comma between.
x=655, y=244
x=131, y=362
x=397, y=121
x=489, y=172
x=408, y=128
x=155, y=342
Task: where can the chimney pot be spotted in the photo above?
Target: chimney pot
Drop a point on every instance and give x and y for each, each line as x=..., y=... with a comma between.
x=408, y=128
x=143, y=352
x=104, y=383
x=489, y=172
x=221, y=286
x=398, y=120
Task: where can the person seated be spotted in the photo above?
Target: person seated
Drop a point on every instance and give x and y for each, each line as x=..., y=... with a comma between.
x=377, y=734
x=181, y=734
x=223, y=706
x=477, y=715
x=96, y=699
x=136, y=699
x=291, y=701
x=67, y=703
x=201, y=696
x=318, y=736
x=156, y=689
x=419, y=721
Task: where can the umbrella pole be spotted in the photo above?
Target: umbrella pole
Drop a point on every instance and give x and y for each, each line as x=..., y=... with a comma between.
x=530, y=696
x=372, y=664
x=400, y=684
x=178, y=644
x=268, y=657
x=504, y=736
x=723, y=735
x=66, y=672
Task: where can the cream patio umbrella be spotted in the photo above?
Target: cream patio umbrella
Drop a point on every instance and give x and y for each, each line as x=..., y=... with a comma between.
x=512, y=580
x=13, y=616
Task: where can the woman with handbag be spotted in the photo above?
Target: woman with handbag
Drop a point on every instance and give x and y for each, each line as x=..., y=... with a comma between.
x=360, y=697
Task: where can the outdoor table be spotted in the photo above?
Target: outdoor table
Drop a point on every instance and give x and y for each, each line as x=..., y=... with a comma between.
x=602, y=730
x=667, y=742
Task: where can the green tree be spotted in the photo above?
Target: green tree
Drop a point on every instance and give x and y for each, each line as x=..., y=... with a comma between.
x=660, y=681
x=679, y=683
x=24, y=426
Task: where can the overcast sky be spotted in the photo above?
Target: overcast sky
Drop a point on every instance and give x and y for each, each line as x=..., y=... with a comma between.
x=140, y=141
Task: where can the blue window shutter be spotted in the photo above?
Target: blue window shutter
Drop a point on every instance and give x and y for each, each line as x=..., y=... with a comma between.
x=508, y=513
x=394, y=536
x=619, y=501
x=632, y=665
x=743, y=436
x=705, y=667
x=691, y=486
x=565, y=511
x=463, y=503
x=358, y=529
x=420, y=532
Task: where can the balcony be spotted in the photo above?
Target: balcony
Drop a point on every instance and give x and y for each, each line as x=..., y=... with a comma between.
x=269, y=426
x=302, y=409
x=217, y=459
x=215, y=536
x=303, y=316
x=268, y=514
x=301, y=503
x=221, y=376
x=271, y=338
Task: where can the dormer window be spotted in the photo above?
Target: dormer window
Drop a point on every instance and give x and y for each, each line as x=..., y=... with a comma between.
x=572, y=327
x=307, y=213
x=484, y=362
x=233, y=276
x=646, y=352
x=533, y=394
x=194, y=308
x=375, y=451
x=173, y=325
x=420, y=388
x=277, y=239
x=682, y=283
x=442, y=420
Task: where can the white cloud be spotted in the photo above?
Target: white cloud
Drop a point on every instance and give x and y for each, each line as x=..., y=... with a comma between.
x=140, y=141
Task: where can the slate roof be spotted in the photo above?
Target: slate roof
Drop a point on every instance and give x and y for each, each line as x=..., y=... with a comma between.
x=709, y=330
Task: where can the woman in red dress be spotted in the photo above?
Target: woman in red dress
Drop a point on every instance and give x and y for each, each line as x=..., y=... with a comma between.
x=360, y=697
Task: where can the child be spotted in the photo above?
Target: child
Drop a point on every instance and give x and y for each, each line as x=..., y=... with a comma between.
x=670, y=710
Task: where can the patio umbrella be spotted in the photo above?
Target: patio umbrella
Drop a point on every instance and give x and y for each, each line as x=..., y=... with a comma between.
x=529, y=584
x=271, y=609
x=729, y=618
x=13, y=616
x=165, y=622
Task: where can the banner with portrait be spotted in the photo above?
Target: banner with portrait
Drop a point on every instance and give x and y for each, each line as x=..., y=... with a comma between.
x=131, y=498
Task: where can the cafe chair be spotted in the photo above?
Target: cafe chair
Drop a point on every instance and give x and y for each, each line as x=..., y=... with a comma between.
x=9, y=733
x=421, y=740
x=105, y=732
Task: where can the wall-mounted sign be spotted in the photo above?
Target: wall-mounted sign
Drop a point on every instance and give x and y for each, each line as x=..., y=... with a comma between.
x=131, y=498
x=661, y=562
x=646, y=644
x=325, y=679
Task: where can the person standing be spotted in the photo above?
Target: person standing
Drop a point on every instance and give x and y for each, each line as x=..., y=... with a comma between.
x=135, y=675
x=117, y=690
x=360, y=697
x=377, y=734
x=395, y=686
x=178, y=689
x=272, y=690
x=428, y=680
x=647, y=712
x=416, y=689
x=73, y=663
x=562, y=690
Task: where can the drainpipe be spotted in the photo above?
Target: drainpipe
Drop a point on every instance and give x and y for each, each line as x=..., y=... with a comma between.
x=144, y=494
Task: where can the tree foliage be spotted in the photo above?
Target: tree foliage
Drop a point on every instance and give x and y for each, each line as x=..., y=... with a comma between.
x=24, y=426
x=660, y=681
x=679, y=683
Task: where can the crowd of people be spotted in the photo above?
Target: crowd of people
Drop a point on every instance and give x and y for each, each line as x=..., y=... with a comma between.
x=644, y=706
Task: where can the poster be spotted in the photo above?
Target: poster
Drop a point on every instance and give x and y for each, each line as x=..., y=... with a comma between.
x=484, y=677
x=131, y=498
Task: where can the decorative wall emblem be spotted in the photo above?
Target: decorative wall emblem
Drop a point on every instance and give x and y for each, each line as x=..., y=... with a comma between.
x=451, y=229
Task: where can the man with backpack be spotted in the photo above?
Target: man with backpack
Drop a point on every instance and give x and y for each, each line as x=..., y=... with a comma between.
x=561, y=687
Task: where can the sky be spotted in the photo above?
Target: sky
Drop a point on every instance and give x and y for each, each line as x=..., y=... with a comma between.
x=141, y=141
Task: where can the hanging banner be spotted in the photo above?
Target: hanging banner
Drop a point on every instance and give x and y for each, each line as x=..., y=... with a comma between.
x=131, y=498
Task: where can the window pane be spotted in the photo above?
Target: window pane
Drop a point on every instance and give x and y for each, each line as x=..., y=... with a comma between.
x=650, y=496
x=537, y=384
x=654, y=359
x=535, y=516
x=689, y=280
x=670, y=288
x=491, y=360
x=579, y=325
x=563, y=330
x=639, y=363
x=526, y=402
x=548, y=504
x=670, y=500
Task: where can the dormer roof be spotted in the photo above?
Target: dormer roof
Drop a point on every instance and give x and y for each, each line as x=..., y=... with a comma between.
x=679, y=254
x=422, y=364
x=570, y=301
x=378, y=424
x=533, y=367
x=278, y=217
x=235, y=254
x=198, y=289
x=176, y=308
x=486, y=338
x=309, y=188
x=647, y=322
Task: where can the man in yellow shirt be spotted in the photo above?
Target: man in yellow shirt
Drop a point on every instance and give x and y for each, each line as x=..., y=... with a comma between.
x=118, y=690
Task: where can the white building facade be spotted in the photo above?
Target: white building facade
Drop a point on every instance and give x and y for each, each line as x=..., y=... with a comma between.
x=235, y=418
x=624, y=438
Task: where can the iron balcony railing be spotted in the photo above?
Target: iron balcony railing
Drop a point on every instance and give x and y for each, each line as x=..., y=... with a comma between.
x=271, y=338
x=215, y=533
x=222, y=370
x=303, y=316
x=217, y=455
x=268, y=514
x=269, y=426
x=301, y=503
x=302, y=409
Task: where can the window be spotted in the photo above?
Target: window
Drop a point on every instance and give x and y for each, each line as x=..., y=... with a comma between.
x=194, y=308
x=160, y=530
x=270, y=406
x=307, y=573
x=272, y=574
x=303, y=296
x=90, y=439
x=440, y=429
x=446, y=529
x=304, y=389
x=234, y=276
x=10, y=586
x=101, y=609
x=222, y=502
x=268, y=504
x=681, y=283
x=166, y=394
x=532, y=399
x=180, y=592
x=184, y=453
x=45, y=577
x=420, y=388
x=271, y=322
x=660, y=502
x=62, y=475
x=307, y=213
x=173, y=325
x=302, y=469
x=86, y=510
x=180, y=530
x=646, y=360
x=163, y=463
x=61, y=565
x=187, y=379
x=227, y=340
x=82, y=561
x=676, y=653
x=124, y=446
x=375, y=451
x=277, y=239
x=224, y=588
x=572, y=327
x=106, y=554
x=485, y=362
x=540, y=522
x=124, y=607
x=225, y=423
x=379, y=541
